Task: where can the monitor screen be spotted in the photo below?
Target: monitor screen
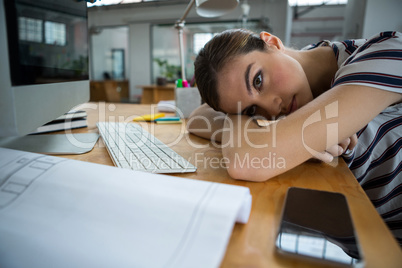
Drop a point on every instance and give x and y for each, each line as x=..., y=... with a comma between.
x=45, y=70
x=47, y=41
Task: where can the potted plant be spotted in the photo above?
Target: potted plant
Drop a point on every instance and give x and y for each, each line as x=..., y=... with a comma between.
x=161, y=80
x=168, y=72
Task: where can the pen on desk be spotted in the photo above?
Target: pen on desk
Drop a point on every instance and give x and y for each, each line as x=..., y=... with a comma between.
x=148, y=117
x=169, y=122
x=172, y=118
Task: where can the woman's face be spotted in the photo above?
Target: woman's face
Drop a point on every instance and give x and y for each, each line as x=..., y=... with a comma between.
x=270, y=84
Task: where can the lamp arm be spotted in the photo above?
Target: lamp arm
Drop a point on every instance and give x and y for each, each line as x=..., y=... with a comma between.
x=189, y=6
x=179, y=26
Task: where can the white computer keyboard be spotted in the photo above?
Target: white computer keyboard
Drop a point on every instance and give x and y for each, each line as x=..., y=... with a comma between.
x=130, y=146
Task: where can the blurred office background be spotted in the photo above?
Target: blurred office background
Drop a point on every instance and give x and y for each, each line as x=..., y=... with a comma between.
x=132, y=42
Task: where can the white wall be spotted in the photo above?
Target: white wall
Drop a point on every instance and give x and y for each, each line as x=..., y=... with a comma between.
x=384, y=15
x=320, y=23
x=101, y=54
x=364, y=18
x=354, y=19
x=140, y=56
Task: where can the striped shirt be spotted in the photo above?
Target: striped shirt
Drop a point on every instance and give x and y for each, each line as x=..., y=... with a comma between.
x=376, y=161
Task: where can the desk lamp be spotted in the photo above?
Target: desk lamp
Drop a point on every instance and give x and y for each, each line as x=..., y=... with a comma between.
x=204, y=8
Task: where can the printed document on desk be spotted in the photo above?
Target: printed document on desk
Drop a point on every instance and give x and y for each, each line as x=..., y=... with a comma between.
x=56, y=212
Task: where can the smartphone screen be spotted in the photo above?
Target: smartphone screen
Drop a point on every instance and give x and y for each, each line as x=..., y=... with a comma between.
x=316, y=225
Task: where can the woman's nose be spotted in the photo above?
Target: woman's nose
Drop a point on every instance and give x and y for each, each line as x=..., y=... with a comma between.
x=273, y=106
x=276, y=105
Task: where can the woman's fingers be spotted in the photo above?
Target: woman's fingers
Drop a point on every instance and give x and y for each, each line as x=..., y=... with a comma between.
x=344, y=147
x=324, y=157
x=336, y=150
x=353, y=142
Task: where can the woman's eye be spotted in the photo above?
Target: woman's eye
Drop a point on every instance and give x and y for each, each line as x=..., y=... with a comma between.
x=258, y=81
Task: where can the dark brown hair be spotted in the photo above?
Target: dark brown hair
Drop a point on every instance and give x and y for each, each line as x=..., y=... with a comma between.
x=216, y=54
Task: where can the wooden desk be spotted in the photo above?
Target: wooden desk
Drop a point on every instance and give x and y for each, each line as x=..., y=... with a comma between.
x=252, y=244
x=109, y=90
x=154, y=93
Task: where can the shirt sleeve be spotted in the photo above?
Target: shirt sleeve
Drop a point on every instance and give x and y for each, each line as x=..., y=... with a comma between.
x=376, y=63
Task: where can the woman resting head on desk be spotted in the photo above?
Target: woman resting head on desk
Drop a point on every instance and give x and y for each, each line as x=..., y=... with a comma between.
x=339, y=98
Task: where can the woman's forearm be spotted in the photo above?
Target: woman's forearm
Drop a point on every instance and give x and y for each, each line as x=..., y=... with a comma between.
x=207, y=123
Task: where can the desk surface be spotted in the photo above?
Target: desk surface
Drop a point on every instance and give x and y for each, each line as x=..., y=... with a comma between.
x=252, y=244
x=154, y=93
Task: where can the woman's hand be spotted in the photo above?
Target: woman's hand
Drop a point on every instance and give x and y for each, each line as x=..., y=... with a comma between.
x=344, y=147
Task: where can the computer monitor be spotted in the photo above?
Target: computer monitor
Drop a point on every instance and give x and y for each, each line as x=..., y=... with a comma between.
x=44, y=64
x=44, y=68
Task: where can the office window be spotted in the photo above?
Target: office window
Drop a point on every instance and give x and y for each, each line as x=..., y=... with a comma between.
x=30, y=29
x=55, y=33
x=199, y=41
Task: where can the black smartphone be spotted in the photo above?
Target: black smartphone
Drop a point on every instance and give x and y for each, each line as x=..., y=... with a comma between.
x=317, y=226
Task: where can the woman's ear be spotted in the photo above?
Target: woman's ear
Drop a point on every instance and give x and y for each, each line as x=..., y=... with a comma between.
x=271, y=40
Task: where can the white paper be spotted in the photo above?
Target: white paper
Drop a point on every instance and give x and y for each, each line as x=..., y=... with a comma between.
x=79, y=214
x=168, y=106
